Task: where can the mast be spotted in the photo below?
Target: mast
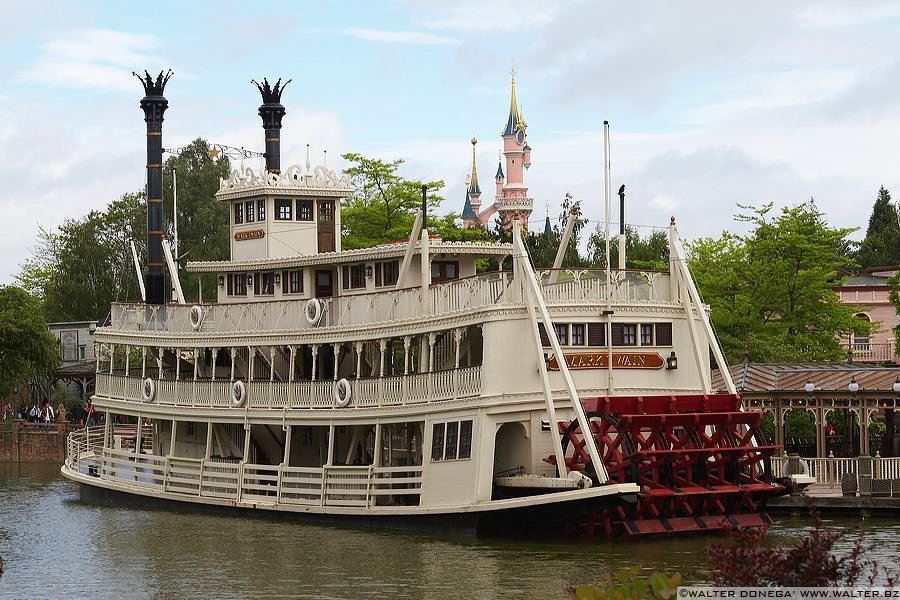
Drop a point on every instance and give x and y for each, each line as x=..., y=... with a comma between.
x=154, y=105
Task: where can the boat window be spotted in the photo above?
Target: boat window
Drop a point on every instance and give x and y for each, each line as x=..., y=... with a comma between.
x=250, y=212
x=261, y=209
x=353, y=277
x=444, y=270
x=387, y=273
x=238, y=213
x=646, y=334
x=437, y=442
x=326, y=211
x=292, y=282
x=663, y=334
x=237, y=284
x=452, y=441
x=265, y=284
x=304, y=210
x=578, y=334
x=596, y=334
x=562, y=332
x=624, y=334
x=283, y=210
x=465, y=439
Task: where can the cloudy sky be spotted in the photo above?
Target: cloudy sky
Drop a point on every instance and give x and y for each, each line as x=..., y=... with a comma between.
x=711, y=104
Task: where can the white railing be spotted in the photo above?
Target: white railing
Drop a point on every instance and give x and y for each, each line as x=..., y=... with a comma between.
x=886, y=468
x=420, y=388
x=356, y=486
x=463, y=295
x=873, y=351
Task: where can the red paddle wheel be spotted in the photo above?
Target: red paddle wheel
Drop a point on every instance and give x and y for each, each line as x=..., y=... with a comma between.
x=701, y=463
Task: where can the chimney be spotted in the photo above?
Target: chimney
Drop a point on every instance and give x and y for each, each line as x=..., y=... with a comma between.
x=154, y=105
x=271, y=113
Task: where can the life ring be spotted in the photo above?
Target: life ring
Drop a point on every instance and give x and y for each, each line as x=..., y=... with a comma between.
x=148, y=390
x=196, y=317
x=313, y=311
x=238, y=393
x=342, y=393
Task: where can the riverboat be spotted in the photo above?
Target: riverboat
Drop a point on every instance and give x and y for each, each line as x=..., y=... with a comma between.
x=402, y=385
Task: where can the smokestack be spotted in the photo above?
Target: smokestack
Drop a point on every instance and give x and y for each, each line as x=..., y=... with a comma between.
x=271, y=113
x=154, y=105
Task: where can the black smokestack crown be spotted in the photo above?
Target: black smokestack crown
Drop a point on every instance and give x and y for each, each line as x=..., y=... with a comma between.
x=271, y=113
x=154, y=106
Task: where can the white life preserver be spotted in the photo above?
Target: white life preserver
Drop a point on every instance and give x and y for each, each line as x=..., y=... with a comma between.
x=342, y=393
x=148, y=391
x=313, y=311
x=196, y=317
x=238, y=393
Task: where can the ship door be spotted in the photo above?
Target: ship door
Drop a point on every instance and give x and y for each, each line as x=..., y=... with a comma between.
x=326, y=225
x=324, y=283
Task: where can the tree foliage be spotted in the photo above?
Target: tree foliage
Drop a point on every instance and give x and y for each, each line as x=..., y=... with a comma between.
x=881, y=246
x=651, y=252
x=78, y=270
x=27, y=349
x=771, y=291
x=202, y=220
x=384, y=205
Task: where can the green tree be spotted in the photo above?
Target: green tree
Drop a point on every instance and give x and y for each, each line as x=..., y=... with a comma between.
x=881, y=246
x=771, y=292
x=542, y=247
x=384, y=205
x=202, y=220
x=651, y=252
x=27, y=349
x=80, y=269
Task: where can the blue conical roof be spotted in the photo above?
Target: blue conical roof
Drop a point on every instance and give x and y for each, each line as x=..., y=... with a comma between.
x=468, y=212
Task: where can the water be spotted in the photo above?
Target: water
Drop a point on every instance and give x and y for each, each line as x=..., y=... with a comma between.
x=56, y=547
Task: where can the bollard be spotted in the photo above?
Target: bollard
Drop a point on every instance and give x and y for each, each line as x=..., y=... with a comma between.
x=864, y=473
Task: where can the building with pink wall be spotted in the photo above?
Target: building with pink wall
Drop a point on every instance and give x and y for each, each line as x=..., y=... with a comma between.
x=869, y=292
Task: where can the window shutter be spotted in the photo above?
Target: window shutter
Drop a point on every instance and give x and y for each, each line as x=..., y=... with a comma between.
x=545, y=339
x=618, y=334
x=596, y=334
x=230, y=284
x=284, y=282
x=663, y=334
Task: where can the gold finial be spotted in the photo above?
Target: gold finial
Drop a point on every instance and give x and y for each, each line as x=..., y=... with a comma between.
x=474, y=140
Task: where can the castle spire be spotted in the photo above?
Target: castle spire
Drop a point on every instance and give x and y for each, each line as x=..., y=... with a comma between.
x=513, y=121
x=473, y=181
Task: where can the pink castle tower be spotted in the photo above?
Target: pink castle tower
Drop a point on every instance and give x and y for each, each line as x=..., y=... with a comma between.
x=511, y=199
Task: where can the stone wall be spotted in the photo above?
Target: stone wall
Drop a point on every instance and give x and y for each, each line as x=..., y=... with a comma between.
x=31, y=442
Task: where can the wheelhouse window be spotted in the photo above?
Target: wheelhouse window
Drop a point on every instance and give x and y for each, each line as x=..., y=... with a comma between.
x=646, y=334
x=250, y=212
x=387, y=273
x=304, y=210
x=237, y=284
x=238, y=213
x=353, y=277
x=562, y=333
x=292, y=282
x=326, y=210
x=261, y=209
x=283, y=210
x=451, y=441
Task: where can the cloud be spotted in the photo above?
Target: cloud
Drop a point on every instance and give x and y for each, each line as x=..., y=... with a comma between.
x=480, y=16
x=92, y=58
x=397, y=37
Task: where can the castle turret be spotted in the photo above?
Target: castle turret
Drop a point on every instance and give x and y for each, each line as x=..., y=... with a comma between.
x=499, y=178
x=271, y=113
x=154, y=105
x=474, y=191
x=512, y=200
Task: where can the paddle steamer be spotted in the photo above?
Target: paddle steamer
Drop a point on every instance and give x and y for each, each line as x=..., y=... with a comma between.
x=401, y=385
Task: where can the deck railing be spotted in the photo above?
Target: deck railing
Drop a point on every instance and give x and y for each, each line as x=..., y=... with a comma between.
x=421, y=388
x=878, y=352
x=330, y=485
x=459, y=296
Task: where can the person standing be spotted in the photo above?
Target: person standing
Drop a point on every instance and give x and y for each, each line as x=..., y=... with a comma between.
x=91, y=417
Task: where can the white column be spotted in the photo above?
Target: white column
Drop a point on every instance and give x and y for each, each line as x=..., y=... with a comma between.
x=358, y=347
x=315, y=356
x=271, y=363
x=337, y=351
x=457, y=338
x=196, y=362
x=159, y=360
x=233, y=357
x=251, y=361
x=177, y=364
x=382, y=346
x=291, y=370
x=407, y=340
x=143, y=362
x=432, y=339
x=112, y=357
x=127, y=360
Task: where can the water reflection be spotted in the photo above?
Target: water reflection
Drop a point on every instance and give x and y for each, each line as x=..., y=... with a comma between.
x=54, y=546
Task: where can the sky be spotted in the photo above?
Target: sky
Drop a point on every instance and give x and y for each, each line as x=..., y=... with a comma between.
x=711, y=105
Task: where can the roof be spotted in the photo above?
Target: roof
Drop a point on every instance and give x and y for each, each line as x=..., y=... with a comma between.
x=473, y=180
x=384, y=251
x=861, y=280
x=512, y=123
x=499, y=174
x=467, y=212
x=774, y=377
x=547, y=228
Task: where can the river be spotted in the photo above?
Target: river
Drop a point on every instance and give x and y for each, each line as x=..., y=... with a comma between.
x=56, y=547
